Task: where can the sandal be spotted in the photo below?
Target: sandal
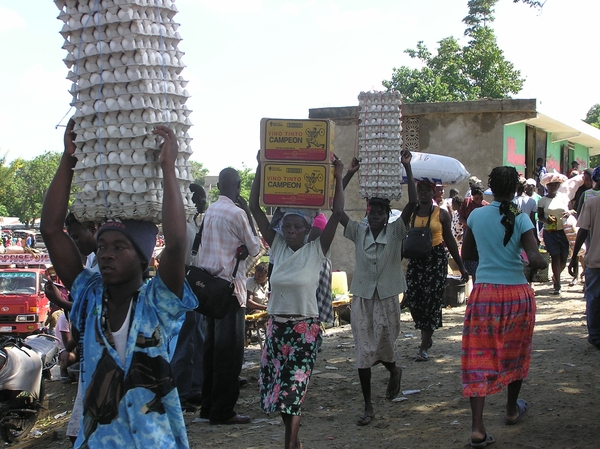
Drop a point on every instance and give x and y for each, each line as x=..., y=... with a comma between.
x=422, y=356
x=488, y=439
x=365, y=419
x=523, y=408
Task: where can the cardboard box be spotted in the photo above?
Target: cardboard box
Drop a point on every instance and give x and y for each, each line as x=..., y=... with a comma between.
x=296, y=185
x=296, y=140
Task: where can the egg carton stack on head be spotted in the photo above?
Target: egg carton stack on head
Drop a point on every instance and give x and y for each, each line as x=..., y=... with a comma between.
x=126, y=74
x=380, y=144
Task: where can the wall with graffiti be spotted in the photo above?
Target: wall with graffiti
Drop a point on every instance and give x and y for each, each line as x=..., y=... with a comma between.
x=514, y=146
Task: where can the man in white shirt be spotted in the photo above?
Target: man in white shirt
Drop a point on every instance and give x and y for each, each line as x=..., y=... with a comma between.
x=228, y=233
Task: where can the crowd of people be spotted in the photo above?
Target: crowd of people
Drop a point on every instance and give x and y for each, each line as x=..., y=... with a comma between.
x=161, y=358
x=10, y=238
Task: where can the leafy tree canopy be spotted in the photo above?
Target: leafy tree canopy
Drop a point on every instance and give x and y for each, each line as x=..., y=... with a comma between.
x=198, y=172
x=532, y=3
x=25, y=184
x=593, y=116
x=455, y=73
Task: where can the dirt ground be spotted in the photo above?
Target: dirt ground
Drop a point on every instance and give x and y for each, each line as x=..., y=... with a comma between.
x=563, y=390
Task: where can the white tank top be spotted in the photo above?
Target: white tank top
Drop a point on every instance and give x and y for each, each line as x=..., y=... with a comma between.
x=120, y=336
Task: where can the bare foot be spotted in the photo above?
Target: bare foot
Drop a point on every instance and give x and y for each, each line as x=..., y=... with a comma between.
x=393, y=387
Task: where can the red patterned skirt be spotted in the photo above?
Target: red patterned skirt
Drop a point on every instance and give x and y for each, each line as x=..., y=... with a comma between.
x=497, y=336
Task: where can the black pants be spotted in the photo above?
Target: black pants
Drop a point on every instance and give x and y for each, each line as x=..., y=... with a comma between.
x=223, y=358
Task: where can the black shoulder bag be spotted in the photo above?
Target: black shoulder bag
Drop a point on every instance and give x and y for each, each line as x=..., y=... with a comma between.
x=417, y=243
x=215, y=294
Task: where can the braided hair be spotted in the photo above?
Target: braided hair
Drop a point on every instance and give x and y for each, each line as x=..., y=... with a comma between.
x=503, y=182
x=383, y=203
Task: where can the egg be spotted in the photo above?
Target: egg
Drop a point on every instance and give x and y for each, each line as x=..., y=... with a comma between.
x=125, y=156
x=139, y=185
x=113, y=157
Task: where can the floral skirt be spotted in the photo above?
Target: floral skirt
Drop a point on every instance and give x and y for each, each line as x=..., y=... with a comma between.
x=497, y=336
x=426, y=280
x=288, y=358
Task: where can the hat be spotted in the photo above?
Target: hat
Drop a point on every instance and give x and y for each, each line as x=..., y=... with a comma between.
x=531, y=182
x=550, y=178
x=142, y=235
x=474, y=180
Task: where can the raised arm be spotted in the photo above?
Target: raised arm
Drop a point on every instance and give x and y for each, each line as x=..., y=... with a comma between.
x=405, y=158
x=354, y=166
x=172, y=258
x=54, y=296
x=63, y=252
x=338, y=208
x=259, y=215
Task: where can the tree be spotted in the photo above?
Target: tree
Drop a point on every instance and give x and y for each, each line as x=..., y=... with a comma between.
x=593, y=116
x=532, y=3
x=30, y=183
x=7, y=173
x=198, y=172
x=476, y=70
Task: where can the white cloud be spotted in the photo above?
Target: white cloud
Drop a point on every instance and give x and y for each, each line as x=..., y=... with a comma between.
x=356, y=20
x=232, y=6
x=289, y=9
x=10, y=20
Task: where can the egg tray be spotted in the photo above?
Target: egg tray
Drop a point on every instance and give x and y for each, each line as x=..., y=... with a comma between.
x=126, y=72
x=380, y=144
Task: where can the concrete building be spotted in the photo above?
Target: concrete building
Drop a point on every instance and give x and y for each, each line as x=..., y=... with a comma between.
x=482, y=134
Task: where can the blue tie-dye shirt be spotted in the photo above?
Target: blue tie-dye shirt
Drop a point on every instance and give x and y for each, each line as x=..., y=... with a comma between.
x=135, y=405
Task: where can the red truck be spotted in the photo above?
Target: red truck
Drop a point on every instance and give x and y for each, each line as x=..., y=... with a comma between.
x=23, y=303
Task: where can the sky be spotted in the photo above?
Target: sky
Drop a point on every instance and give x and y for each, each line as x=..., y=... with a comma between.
x=249, y=59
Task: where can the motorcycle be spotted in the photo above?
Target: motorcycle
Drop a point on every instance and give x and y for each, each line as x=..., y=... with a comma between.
x=24, y=363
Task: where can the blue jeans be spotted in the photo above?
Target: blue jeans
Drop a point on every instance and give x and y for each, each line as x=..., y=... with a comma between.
x=186, y=364
x=223, y=358
x=592, y=298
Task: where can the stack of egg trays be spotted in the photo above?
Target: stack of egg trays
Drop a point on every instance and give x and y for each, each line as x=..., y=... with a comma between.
x=380, y=144
x=126, y=74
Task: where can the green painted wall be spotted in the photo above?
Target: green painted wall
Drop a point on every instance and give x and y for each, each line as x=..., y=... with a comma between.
x=553, y=154
x=514, y=150
x=514, y=146
x=581, y=155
